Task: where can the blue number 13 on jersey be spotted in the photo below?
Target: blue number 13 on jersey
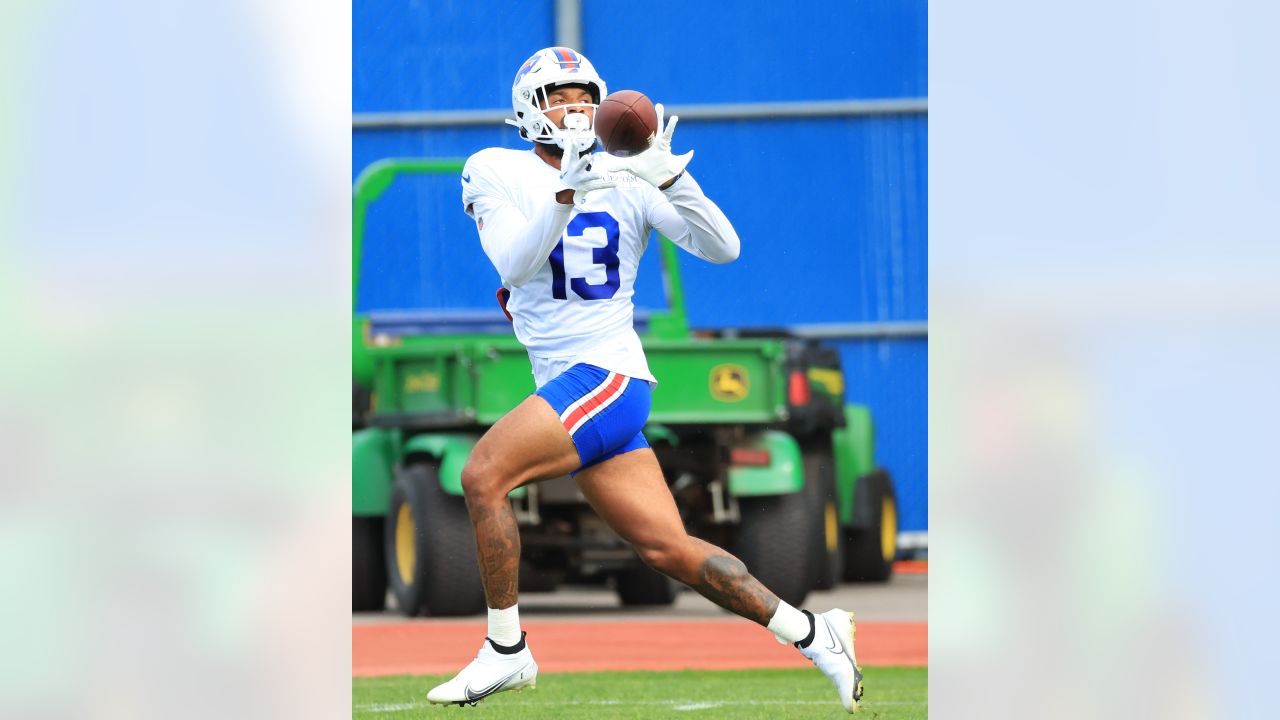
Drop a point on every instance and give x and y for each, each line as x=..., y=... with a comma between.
x=606, y=256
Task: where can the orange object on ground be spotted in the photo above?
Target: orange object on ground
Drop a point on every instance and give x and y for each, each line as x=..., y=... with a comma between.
x=426, y=647
x=911, y=567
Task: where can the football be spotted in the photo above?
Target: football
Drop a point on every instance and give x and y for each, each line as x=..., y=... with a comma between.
x=626, y=123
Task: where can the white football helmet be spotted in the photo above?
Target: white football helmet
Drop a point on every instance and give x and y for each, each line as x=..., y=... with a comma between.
x=547, y=69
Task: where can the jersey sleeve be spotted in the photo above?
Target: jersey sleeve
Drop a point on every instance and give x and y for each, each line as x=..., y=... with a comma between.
x=480, y=181
x=687, y=216
x=517, y=245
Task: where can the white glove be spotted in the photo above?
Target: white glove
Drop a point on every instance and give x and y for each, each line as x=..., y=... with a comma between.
x=656, y=165
x=577, y=174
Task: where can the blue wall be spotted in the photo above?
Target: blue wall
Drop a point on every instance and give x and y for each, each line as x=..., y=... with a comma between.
x=832, y=212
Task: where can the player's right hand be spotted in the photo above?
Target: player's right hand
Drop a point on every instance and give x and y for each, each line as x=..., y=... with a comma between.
x=657, y=165
x=578, y=173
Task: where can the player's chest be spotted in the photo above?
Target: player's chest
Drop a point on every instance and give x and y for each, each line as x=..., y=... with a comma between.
x=597, y=255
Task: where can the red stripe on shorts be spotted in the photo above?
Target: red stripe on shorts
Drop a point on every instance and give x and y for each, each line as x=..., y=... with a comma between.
x=600, y=398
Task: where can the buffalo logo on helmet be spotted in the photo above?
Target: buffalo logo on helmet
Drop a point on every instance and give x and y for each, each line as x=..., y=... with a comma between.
x=526, y=67
x=566, y=59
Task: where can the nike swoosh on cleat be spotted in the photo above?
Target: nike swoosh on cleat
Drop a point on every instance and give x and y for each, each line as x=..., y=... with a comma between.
x=473, y=696
x=835, y=644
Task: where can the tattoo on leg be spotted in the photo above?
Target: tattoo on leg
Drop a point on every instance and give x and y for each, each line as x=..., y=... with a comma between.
x=724, y=580
x=498, y=549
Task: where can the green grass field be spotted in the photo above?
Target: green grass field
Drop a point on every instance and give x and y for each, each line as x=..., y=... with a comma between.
x=774, y=694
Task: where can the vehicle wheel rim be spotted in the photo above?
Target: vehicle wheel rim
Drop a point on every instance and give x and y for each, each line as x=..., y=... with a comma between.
x=888, y=529
x=832, y=523
x=406, y=550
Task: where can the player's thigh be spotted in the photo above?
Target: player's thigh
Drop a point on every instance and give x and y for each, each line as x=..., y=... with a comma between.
x=525, y=445
x=630, y=494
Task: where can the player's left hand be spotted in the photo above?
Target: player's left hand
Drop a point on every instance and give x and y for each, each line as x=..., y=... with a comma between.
x=656, y=166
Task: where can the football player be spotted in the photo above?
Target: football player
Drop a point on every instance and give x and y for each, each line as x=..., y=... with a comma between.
x=565, y=229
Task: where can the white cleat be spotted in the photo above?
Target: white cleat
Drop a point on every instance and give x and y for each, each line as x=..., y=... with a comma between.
x=491, y=672
x=832, y=652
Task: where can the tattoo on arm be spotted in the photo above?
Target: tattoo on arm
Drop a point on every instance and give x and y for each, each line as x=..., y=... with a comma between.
x=724, y=580
x=498, y=549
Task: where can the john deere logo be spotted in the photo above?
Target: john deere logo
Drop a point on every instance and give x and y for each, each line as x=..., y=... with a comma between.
x=422, y=382
x=729, y=383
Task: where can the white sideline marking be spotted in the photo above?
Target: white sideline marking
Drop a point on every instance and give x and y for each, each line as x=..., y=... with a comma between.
x=674, y=704
x=697, y=706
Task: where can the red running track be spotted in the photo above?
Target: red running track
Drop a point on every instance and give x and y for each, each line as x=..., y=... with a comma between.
x=423, y=648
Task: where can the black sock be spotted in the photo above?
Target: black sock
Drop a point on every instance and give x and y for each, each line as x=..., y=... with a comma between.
x=513, y=649
x=812, y=629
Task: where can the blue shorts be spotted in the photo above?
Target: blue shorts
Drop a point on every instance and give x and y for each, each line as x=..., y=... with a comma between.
x=602, y=411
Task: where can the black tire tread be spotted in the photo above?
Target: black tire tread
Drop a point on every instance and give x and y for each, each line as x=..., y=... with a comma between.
x=864, y=561
x=775, y=540
x=820, y=484
x=641, y=586
x=368, y=566
x=447, y=577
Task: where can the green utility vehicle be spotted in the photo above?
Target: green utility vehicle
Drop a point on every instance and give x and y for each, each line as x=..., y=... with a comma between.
x=753, y=435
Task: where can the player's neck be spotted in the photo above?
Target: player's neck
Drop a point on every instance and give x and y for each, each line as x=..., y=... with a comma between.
x=544, y=151
x=549, y=156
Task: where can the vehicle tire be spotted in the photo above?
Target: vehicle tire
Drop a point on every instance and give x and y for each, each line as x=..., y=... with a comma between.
x=368, y=566
x=775, y=540
x=642, y=585
x=828, y=537
x=430, y=547
x=361, y=403
x=536, y=579
x=873, y=543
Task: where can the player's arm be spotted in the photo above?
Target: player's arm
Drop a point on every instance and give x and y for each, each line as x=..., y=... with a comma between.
x=680, y=210
x=517, y=245
x=693, y=222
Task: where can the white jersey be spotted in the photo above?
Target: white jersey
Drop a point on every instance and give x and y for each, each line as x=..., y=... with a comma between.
x=571, y=269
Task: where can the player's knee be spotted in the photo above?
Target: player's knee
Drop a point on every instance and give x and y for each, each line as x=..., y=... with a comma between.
x=654, y=556
x=479, y=481
x=664, y=556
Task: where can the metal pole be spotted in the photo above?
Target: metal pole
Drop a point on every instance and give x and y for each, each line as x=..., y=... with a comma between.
x=569, y=24
x=801, y=109
x=837, y=331
x=722, y=111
